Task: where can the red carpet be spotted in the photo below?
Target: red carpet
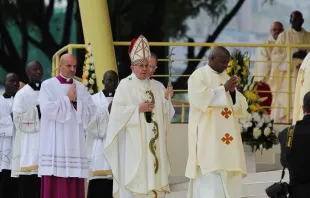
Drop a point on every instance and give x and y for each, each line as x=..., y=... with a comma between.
x=265, y=87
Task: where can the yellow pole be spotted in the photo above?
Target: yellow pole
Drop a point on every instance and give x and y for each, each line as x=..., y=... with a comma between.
x=97, y=31
x=289, y=69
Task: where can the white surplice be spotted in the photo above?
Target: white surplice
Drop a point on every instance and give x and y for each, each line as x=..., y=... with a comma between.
x=63, y=150
x=7, y=133
x=216, y=157
x=135, y=149
x=27, y=140
x=162, y=87
x=96, y=131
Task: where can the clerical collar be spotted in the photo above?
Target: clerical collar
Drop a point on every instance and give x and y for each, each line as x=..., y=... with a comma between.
x=213, y=69
x=270, y=38
x=5, y=95
x=35, y=86
x=108, y=93
x=301, y=31
x=64, y=80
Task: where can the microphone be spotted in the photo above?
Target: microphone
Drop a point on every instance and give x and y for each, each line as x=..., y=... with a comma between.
x=148, y=117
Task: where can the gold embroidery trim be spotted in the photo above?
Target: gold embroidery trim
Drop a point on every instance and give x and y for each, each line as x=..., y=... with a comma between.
x=101, y=172
x=152, y=143
x=29, y=168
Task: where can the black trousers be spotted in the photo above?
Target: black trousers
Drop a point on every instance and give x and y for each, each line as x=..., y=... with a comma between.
x=8, y=185
x=300, y=191
x=99, y=188
x=29, y=186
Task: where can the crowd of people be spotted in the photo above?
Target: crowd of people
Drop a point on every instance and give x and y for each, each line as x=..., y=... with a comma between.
x=273, y=65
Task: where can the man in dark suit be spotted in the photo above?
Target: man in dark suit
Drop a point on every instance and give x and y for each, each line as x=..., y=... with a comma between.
x=297, y=160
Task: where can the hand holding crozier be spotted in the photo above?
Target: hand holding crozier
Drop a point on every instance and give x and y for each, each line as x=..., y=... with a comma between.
x=72, y=93
x=169, y=92
x=231, y=84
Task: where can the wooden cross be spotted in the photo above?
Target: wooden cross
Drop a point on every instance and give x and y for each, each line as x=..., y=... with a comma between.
x=227, y=139
x=28, y=123
x=226, y=113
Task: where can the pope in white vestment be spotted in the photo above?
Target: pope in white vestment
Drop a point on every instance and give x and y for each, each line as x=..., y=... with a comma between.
x=278, y=75
x=302, y=87
x=216, y=162
x=136, y=137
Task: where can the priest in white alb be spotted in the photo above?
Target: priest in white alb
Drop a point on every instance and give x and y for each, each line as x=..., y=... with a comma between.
x=216, y=162
x=8, y=184
x=278, y=80
x=100, y=179
x=135, y=144
x=263, y=66
x=26, y=112
x=65, y=107
x=302, y=87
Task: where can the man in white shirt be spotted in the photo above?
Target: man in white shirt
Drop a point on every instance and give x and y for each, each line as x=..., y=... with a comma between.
x=100, y=180
x=26, y=113
x=8, y=184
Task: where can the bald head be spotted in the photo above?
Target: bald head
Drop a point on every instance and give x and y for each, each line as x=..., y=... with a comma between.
x=34, y=71
x=110, y=80
x=67, y=65
x=275, y=29
x=219, y=59
x=11, y=84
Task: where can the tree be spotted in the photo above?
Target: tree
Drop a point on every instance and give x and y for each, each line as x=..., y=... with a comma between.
x=33, y=19
x=131, y=18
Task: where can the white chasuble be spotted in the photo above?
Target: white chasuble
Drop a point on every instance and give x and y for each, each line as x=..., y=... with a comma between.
x=62, y=141
x=278, y=75
x=135, y=149
x=215, y=144
x=7, y=133
x=302, y=87
x=27, y=140
x=96, y=131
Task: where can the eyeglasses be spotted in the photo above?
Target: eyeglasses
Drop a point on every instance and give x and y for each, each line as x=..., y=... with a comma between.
x=155, y=67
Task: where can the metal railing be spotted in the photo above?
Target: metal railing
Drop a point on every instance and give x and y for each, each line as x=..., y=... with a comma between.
x=184, y=104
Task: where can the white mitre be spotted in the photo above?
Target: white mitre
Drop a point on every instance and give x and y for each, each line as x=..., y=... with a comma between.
x=139, y=50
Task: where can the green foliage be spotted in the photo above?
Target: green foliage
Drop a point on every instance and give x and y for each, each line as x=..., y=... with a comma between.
x=178, y=11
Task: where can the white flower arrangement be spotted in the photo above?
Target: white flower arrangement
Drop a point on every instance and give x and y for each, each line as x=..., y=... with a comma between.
x=257, y=131
x=89, y=76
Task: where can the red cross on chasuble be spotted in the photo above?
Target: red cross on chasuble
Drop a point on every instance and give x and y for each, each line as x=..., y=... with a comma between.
x=227, y=139
x=226, y=113
x=27, y=123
